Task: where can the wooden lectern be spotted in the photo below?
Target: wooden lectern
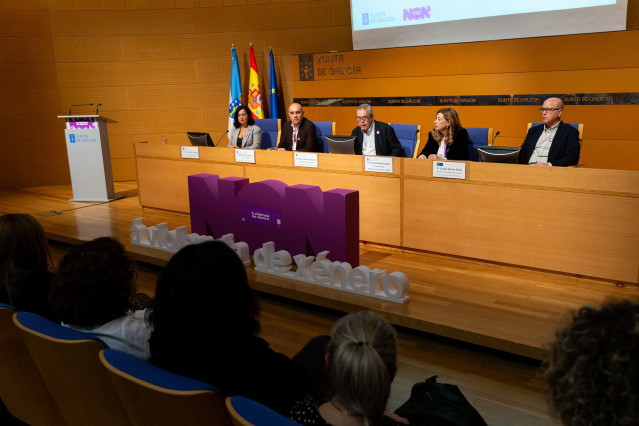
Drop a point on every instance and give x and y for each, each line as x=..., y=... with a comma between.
x=89, y=157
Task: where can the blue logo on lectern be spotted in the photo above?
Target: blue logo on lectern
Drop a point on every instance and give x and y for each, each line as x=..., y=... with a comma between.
x=364, y=18
x=72, y=138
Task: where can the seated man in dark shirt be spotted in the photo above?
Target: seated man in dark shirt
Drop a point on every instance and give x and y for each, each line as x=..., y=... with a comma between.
x=375, y=137
x=553, y=143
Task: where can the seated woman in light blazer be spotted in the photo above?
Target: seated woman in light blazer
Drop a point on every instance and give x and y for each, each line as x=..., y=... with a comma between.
x=448, y=140
x=244, y=134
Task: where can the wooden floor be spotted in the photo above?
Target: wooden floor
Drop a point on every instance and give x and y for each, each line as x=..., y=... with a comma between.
x=495, y=306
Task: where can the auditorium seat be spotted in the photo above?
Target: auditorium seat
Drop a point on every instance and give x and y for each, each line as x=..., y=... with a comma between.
x=246, y=412
x=409, y=137
x=69, y=364
x=478, y=136
x=153, y=396
x=271, y=131
x=578, y=126
x=20, y=381
x=324, y=128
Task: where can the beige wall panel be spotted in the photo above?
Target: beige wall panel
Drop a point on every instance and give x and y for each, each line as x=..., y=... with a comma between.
x=554, y=230
x=215, y=121
x=29, y=101
x=26, y=50
x=122, y=146
x=36, y=152
x=154, y=121
x=24, y=5
x=125, y=73
x=124, y=169
x=177, y=97
x=88, y=49
x=579, y=81
x=29, y=76
x=18, y=127
x=166, y=180
x=121, y=22
x=591, y=153
x=25, y=175
x=379, y=197
x=111, y=98
x=24, y=23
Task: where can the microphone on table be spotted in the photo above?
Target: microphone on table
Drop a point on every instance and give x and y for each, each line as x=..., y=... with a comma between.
x=221, y=137
x=495, y=137
x=78, y=105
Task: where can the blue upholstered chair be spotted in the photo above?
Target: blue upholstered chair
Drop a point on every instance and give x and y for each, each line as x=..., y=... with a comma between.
x=153, y=396
x=409, y=137
x=22, y=388
x=478, y=136
x=68, y=362
x=246, y=412
x=271, y=131
x=578, y=126
x=324, y=128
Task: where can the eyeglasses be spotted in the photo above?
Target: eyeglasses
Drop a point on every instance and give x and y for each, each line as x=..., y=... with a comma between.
x=548, y=110
x=362, y=118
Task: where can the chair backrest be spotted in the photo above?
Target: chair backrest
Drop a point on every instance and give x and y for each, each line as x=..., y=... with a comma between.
x=478, y=136
x=21, y=384
x=578, y=126
x=271, y=131
x=153, y=396
x=69, y=364
x=409, y=137
x=324, y=128
x=246, y=412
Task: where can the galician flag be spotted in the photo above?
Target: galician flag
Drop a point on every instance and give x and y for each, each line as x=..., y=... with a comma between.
x=255, y=93
x=272, y=92
x=236, y=89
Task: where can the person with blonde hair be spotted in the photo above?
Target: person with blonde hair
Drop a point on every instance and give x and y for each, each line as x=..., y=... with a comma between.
x=448, y=140
x=26, y=268
x=361, y=362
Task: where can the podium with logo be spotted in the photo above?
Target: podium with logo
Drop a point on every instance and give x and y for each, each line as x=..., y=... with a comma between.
x=89, y=157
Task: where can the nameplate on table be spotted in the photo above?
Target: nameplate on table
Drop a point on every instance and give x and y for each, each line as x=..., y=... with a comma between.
x=378, y=164
x=449, y=170
x=305, y=159
x=245, y=156
x=190, y=152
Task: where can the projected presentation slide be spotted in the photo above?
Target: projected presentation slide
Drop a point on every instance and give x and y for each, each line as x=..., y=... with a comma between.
x=370, y=14
x=384, y=23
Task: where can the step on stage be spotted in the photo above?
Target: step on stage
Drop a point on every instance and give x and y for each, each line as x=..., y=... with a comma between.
x=511, y=309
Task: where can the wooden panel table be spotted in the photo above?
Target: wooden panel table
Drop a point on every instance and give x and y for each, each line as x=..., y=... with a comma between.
x=570, y=220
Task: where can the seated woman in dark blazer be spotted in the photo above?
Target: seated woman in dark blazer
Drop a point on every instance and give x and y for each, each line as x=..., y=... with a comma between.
x=244, y=134
x=448, y=140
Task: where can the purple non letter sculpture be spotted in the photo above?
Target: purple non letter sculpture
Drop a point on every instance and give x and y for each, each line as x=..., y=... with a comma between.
x=301, y=219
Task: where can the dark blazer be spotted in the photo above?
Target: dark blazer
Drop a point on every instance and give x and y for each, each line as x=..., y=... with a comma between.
x=386, y=142
x=252, y=138
x=306, y=136
x=564, y=149
x=457, y=151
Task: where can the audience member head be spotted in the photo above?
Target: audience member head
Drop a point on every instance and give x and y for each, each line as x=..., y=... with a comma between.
x=23, y=249
x=551, y=111
x=295, y=113
x=364, y=116
x=94, y=284
x=362, y=364
x=446, y=123
x=593, y=370
x=203, y=291
x=243, y=115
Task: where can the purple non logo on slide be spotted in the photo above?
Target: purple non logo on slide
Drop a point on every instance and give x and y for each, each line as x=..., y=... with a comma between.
x=301, y=219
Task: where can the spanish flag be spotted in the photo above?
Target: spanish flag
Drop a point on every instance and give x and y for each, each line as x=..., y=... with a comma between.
x=255, y=94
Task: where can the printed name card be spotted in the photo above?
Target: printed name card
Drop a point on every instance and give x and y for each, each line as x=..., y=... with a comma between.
x=449, y=170
x=245, y=156
x=305, y=159
x=190, y=152
x=378, y=164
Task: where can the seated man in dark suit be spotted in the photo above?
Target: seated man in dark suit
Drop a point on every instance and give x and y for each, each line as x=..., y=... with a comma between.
x=553, y=143
x=299, y=134
x=375, y=137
